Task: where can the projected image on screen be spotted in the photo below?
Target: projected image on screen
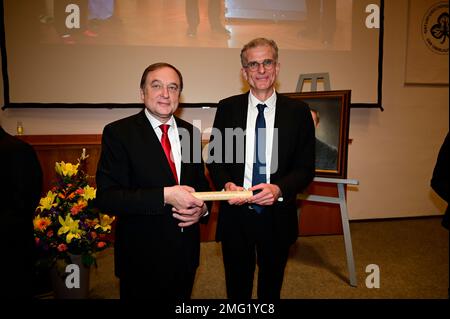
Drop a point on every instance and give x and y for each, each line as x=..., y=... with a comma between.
x=294, y=24
x=73, y=52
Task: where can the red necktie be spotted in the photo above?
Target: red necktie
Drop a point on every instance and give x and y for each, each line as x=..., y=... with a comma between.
x=168, y=149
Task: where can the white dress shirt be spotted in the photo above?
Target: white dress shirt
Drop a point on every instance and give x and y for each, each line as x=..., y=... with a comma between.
x=174, y=138
x=269, y=115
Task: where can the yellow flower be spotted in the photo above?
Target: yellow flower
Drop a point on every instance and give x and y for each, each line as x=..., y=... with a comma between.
x=69, y=226
x=105, y=222
x=89, y=192
x=41, y=223
x=66, y=169
x=47, y=202
x=71, y=236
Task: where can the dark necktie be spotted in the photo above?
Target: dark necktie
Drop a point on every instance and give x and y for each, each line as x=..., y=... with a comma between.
x=165, y=142
x=259, y=160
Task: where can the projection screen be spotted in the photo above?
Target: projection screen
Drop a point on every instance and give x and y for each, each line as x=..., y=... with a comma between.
x=91, y=53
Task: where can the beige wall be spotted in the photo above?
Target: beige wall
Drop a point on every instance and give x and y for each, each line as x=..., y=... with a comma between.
x=392, y=154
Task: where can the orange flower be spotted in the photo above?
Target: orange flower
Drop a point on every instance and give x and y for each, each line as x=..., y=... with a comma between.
x=41, y=223
x=78, y=207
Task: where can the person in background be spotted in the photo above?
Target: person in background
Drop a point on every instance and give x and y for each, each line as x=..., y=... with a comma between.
x=142, y=177
x=440, y=181
x=67, y=33
x=48, y=16
x=326, y=155
x=320, y=21
x=279, y=163
x=214, y=15
x=21, y=176
x=100, y=11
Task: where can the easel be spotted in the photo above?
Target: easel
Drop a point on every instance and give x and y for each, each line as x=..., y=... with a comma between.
x=340, y=200
x=314, y=78
x=344, y=216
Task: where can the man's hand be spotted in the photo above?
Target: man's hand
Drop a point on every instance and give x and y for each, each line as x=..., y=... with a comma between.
x=268, y=195
x=187, y=208
x=232, y=187
x=179, y=196
x=190, y=216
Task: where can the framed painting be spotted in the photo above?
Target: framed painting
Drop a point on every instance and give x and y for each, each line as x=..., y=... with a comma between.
x=330, y=112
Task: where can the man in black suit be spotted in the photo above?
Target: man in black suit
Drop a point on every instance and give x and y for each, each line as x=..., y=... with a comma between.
x=280, y=132
x=157, y=243
x=21, y=176
x=440, y=181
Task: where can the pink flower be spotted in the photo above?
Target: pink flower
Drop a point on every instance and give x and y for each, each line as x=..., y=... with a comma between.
x=62, y=247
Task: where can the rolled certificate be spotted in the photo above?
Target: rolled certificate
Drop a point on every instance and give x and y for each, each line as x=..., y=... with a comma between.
x=222, y=195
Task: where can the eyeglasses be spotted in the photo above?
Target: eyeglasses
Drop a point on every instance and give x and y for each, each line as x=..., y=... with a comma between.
x=254, y=65
x=158, y=86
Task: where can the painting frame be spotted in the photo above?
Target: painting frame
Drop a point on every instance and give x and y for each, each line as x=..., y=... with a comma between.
x=333, y=109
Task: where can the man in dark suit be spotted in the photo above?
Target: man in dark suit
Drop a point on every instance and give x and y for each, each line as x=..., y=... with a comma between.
x=280, y=132
x=21, y=176
x=440, y=181
x=157, y=243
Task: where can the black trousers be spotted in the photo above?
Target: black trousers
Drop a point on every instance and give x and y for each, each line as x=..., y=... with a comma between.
x=193, y=15
x=252, y=241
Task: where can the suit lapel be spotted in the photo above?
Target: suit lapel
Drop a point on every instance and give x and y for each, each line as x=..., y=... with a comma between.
x=154, y=151
x=183, y=144
x=280, y=139
x=240, y=121
x=242, y=112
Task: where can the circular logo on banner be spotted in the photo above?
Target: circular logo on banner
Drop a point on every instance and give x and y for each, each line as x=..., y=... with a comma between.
x=435, y=28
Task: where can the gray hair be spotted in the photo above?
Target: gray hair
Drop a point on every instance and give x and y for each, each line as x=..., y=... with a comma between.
x=259, y=42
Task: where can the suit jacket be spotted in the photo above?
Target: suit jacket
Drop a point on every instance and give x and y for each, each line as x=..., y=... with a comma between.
x=326, y=156
x=440, y=181
x=21, y=176
x=296, y=151
x=131, y=174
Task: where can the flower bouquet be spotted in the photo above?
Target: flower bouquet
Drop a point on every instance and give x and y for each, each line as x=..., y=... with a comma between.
x=66, y=222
